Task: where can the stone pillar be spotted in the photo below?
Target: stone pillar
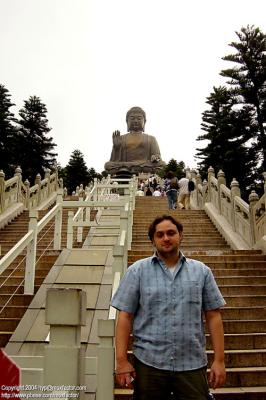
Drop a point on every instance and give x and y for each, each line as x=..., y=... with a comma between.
x=18, y=173
x=253, y=198
x=106, y=355
x=27, y=194
x=47, y=175
x=221, y=181
x=198, y=182
x=2, y=190
x=204, y=191
x=31, y=255
x=210, y=175
x=235, y=191
x=58, y=221
x=38, y=182
x=65, y=313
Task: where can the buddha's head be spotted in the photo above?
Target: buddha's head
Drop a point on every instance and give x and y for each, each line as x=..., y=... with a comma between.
x=136, y=119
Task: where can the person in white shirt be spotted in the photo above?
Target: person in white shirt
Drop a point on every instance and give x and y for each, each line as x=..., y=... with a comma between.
x=139, y=192
x=184, y=194
x=157, y=192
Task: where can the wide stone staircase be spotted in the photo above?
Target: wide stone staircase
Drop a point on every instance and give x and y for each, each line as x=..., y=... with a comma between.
x=13, y=303
x=241, y=276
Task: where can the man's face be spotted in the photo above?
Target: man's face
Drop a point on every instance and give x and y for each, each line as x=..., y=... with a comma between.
x=167, y=239
x=136, y=122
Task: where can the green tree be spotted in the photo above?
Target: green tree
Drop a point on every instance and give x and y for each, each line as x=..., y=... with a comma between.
x=227, y=129
x=178, y=168
x=8, y=132
x=247, y=80
x=36, y=148
x=76, y=172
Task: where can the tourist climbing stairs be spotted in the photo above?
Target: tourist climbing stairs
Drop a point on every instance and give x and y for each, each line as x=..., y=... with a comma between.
x=13, y=303
x=241, y=276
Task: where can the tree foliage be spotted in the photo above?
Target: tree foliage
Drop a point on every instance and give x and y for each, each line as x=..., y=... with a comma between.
x=234, y=123
x=7, y=133
x=227, y=130
x=178, y=168
x=248, y=80
x=36, y=148
x=76, y=172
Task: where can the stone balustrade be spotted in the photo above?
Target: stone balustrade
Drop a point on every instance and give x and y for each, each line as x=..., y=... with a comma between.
x=243, y=225
x=14, y=191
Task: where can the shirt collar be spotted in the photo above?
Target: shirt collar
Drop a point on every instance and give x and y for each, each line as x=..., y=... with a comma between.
x=155, y=257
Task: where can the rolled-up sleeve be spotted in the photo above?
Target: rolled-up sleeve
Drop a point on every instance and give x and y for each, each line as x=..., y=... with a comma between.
x=126, y=298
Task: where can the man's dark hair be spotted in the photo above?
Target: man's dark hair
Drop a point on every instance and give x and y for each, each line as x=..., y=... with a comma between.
x=158, y=220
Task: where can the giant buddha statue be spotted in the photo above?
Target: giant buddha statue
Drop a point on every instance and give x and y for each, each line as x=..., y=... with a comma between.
x=135, y=151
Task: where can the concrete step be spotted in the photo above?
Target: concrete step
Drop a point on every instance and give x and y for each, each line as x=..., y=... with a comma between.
x=235, y=358
x=9, y=324
x=245, y=301
x=239, y=313
x=13, y=311
x=233, y=393
x=15, y=300
x=247, y=341
x=242, y=289
x=241, y=280
x=239, y=326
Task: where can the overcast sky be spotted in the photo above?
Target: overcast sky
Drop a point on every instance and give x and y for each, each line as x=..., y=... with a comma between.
x=91, y=60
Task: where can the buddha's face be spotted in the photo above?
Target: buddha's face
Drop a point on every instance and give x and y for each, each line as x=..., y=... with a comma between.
x=135, y=122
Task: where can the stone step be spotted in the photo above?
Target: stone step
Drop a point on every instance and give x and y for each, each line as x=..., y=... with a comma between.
x=233, y=393
x=242, y=289
x=247, y=340
x=13, y=311
x=15, y=300
x=242, y=358
x=244, y=272
x=4, y=337
x=245, y=300
x=240, y=313
x=239, y=326
x=241, y=280
x=14, y=280
x=9, y=324
x=235, y=358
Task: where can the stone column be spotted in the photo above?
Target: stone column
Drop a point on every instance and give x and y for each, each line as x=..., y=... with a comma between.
x=210, y=175
x=65, y=313
x=235, y=191
x=2, y=190
x=253, y=198
x=18, y=173
x=38, y=182
x=106, y=354
x=221, y=181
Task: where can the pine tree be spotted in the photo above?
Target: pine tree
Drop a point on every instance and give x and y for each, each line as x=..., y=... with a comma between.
x=36, y=149
x=76, y=172
x=227, y=131
x=247, y=79
x=8, y=160
x=178, y=168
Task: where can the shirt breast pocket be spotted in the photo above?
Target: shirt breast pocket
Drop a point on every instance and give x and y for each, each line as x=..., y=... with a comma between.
x=191, y=291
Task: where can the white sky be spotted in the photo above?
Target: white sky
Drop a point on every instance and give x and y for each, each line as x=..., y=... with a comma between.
x=91, y=60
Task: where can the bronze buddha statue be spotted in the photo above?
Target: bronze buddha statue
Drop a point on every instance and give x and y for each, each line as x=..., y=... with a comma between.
x=135, y=151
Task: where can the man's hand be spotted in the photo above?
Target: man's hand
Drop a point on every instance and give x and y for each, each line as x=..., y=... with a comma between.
x=125, y=374
x=217, y=374
x=116, y=137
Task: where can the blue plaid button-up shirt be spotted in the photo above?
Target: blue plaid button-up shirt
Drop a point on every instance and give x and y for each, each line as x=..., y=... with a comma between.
x=168, y=326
